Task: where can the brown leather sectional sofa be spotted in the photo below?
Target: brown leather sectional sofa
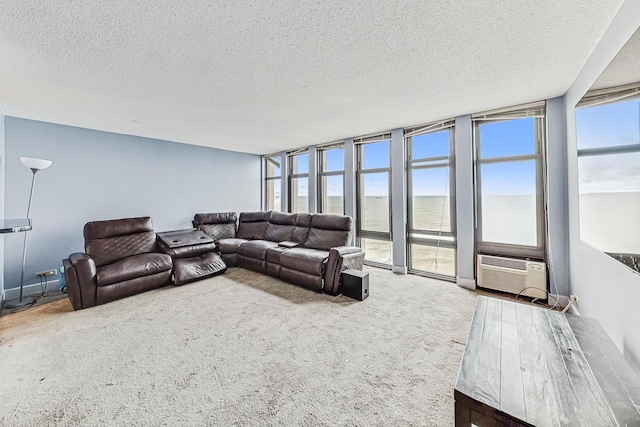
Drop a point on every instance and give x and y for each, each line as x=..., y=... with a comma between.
x=122, y=257
x=309, y=250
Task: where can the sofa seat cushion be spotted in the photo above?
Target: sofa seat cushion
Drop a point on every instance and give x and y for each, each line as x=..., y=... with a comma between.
x=133, y=267
x=230, y=246
x=304, y=259
x=256, y=248
x=273, y=254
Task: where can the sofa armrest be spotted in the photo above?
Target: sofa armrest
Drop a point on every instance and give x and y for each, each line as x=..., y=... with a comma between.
x=341, y=258
x=80, y=274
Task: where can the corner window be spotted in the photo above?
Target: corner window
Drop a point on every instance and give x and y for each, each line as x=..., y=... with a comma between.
x=608, y=136
x=509, y=182
x=273, y=185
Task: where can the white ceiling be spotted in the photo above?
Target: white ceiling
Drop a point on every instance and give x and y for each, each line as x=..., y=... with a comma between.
x=624, y=68
x=265, y=75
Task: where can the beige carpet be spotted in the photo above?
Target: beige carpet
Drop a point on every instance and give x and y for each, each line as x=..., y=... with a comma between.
x=240, y=349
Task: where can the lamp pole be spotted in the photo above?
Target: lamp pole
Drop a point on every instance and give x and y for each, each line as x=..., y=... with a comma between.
x=35, y=165
x=29, y=300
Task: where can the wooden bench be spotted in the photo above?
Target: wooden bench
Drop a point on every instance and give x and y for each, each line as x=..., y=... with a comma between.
x=525, y=365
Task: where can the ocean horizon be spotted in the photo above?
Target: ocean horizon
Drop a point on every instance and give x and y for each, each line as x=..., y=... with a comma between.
x=505, y=219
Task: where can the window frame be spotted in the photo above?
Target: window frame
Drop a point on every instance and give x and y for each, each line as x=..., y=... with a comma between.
x=291, y=176
x=440, y=239
x=361, y=233
x=267, y=159
x=606, y=97
x=537, y=111
x=596, y=98
x=322, y=173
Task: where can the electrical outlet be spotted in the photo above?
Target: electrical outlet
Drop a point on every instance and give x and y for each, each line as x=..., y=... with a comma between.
x=46, y=273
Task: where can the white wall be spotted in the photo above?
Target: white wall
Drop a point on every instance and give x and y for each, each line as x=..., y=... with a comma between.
x=608, y=291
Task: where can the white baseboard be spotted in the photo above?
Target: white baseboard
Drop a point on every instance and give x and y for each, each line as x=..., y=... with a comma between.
x=34, y=289
x=398, y=269
x=466, y=283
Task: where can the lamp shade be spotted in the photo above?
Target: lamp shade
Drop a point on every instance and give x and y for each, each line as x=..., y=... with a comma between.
x=35, y=164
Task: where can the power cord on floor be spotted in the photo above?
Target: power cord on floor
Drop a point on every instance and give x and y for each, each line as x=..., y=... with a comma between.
x=44, y=283
x=555, y=306
x=25, y=307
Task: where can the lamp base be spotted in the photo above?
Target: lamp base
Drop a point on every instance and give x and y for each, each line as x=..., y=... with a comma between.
x=18, y=303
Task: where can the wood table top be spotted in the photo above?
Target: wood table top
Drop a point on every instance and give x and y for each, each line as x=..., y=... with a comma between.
x=545, y=368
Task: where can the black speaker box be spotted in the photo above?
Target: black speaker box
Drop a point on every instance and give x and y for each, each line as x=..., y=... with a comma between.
x=355, y=284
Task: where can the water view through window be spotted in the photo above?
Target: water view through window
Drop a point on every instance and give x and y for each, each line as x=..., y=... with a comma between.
x=608, y=138
x=373, y=200
x=331, y=181
x=509, y=179
x=431, y=241
x=273, y=183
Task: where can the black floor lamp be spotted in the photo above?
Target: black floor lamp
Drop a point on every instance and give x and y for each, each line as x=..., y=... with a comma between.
x=35, y=165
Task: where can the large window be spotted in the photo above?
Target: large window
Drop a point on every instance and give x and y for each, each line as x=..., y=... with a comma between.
x=509, y=182
x=299, y=182
x=331, y=180
x=430, y=183
x=273, y=182
x=608, y=136
x=374, y=198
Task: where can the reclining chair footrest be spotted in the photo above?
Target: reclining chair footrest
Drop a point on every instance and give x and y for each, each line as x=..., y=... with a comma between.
x=186, y=270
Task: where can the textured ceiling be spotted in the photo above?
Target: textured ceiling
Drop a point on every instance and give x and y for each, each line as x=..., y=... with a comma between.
x=624, y=68
x=264, y=75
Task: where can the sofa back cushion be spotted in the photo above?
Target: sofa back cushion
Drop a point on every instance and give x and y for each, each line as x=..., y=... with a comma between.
x=109, y=241
x=216, y=225
x=253, y=225
x=280, y=227
x=328, y=231
x=303, y=222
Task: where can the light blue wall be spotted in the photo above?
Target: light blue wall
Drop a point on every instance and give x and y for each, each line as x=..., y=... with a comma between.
x=99, y=175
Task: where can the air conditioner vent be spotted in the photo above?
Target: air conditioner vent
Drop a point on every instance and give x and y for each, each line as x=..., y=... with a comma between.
x=514, y=264
x=513, y=275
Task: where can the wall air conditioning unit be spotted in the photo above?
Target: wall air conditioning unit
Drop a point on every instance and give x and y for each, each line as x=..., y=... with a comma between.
x=515, y=276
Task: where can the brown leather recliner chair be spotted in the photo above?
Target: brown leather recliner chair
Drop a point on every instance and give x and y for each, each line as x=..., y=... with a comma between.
x=221, y=227
x=121, y=259
x=318, y=262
